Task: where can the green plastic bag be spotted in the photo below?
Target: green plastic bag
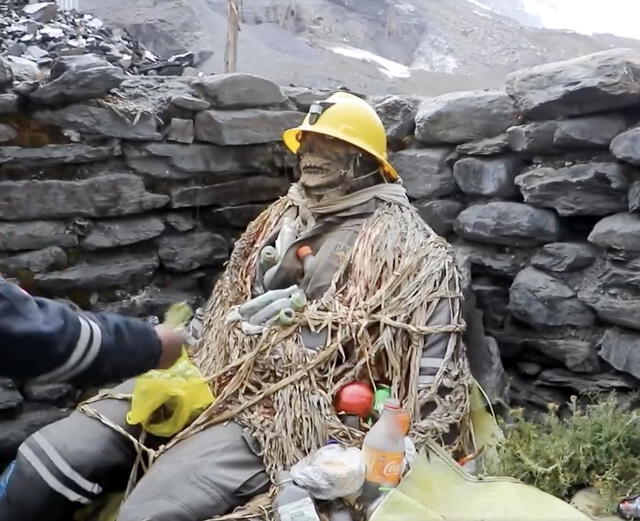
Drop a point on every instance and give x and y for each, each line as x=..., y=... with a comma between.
x=166, y=401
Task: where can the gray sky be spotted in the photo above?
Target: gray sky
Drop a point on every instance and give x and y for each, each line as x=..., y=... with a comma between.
x=621, y=17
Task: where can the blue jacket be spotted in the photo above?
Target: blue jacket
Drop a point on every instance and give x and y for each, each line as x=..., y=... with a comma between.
x=45, y=341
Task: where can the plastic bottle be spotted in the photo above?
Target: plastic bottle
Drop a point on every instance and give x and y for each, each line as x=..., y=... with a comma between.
x=383, y=450
x=305, y=254
x=268, y=258
x=293, y=503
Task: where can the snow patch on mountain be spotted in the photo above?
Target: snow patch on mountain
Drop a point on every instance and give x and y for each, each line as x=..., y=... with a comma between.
x=389, y=68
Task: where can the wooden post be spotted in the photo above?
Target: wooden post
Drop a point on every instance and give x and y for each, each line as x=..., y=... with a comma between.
x=233, y=27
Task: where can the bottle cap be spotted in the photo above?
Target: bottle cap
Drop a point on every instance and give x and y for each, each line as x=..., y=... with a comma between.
x=284, y=476
x=392, y=404
x=304, y=251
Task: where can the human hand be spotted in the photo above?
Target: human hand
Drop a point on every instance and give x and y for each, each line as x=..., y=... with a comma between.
x=172, y=342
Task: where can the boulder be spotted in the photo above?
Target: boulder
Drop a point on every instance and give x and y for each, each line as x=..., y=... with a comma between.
x=621, y=349
x=509, y=224
x=10, y=397
x=36, y=261
x=634, y=197
x=526, y=392
x=60, y=394
x=619, y=232
x=459, y=117
x=77, y=63
x=588, y=132
x=440, y=214
x=102, y=121
x=78, y=85
x=254, y=189
x=7, y=133
x=594, y=83
x=582, y=189
x=14, y=430
x=25, y=70
x=491, y=146
x=121, y=270
x=190, y=103
x=397, y=115
x=109, y=195
x=425, y=173
x=244, y=127
x=174, y=161
x=626, y=146
x=541, y=301
x=492, y=260
x=577, y=355
x=34, y=235
x=533, y=138
x=564, y=256
x=235, y=216
x=487, y=177
x=303, y=97
x=6, y=74
x=585, y=383
x=8, y=103
x=122, y=232
x=51, y=155
x=43, y=12
x=487, y=369
x=618, y=306
x=187, y=252
x=181, y=221
x=181, y=131
x=239, y=91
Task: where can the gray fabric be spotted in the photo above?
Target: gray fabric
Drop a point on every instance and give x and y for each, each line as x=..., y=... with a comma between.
x=203, y=476
x=62, y=459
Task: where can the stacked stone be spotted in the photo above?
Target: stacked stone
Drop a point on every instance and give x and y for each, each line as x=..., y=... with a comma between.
x=537, y=189
x=125, y=194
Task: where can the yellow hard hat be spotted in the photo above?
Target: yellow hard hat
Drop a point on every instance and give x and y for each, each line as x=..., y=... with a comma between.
x=349, y=118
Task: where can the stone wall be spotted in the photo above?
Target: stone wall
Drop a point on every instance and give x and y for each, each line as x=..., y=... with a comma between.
x=126, y=193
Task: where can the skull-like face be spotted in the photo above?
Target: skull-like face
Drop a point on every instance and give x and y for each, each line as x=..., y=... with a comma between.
x=330, y=167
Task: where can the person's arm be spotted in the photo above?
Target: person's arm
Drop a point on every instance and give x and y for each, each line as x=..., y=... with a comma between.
x=45, y=341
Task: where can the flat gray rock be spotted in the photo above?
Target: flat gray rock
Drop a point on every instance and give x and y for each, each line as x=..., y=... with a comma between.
x=34, y=235
x=235, y=216
x=621, y=348
x=103, y=121
x=618, y=232
x=425, y=172
x=50, y=155
x=122, y=270
x=7, y=133
x=588, y=132
x=491, y=146
x=620, y=307
x=634, y=197
x=585, y=383
x=440, y=214
x=582, y=189
x=597, y=82
x=487, y=177
x=6, y=74
x=255, y=189
x=8, y=103
x=564, y=256
x=189, y=251
x=122, y=232
x=109, y=195
x=238, y=91
x=533, y=138
x=190, y=103
x=47, y=259
x=397, y=115
x=460, y=117
x=493, y=260
x=626, y=146
x=541, y=300
x=181, y=131
x=244, y=127
x=80, y=85
x=509, y=224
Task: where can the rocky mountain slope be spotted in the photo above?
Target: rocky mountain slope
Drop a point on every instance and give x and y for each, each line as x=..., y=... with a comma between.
x=401, y=46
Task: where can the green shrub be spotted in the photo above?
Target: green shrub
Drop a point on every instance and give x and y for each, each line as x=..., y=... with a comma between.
x=597, y=446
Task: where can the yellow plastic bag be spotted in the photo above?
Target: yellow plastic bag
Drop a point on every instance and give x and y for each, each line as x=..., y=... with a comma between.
x=165, y=401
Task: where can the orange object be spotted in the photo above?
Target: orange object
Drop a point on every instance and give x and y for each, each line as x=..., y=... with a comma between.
x=383, y=467
x=355, y=398
x=304, y=251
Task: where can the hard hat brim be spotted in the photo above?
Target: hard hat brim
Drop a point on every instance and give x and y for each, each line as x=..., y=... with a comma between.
x=291, y=138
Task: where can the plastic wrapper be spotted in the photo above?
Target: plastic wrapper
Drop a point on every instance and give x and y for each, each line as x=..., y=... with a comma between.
x=331, y=472
x=165, y=401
